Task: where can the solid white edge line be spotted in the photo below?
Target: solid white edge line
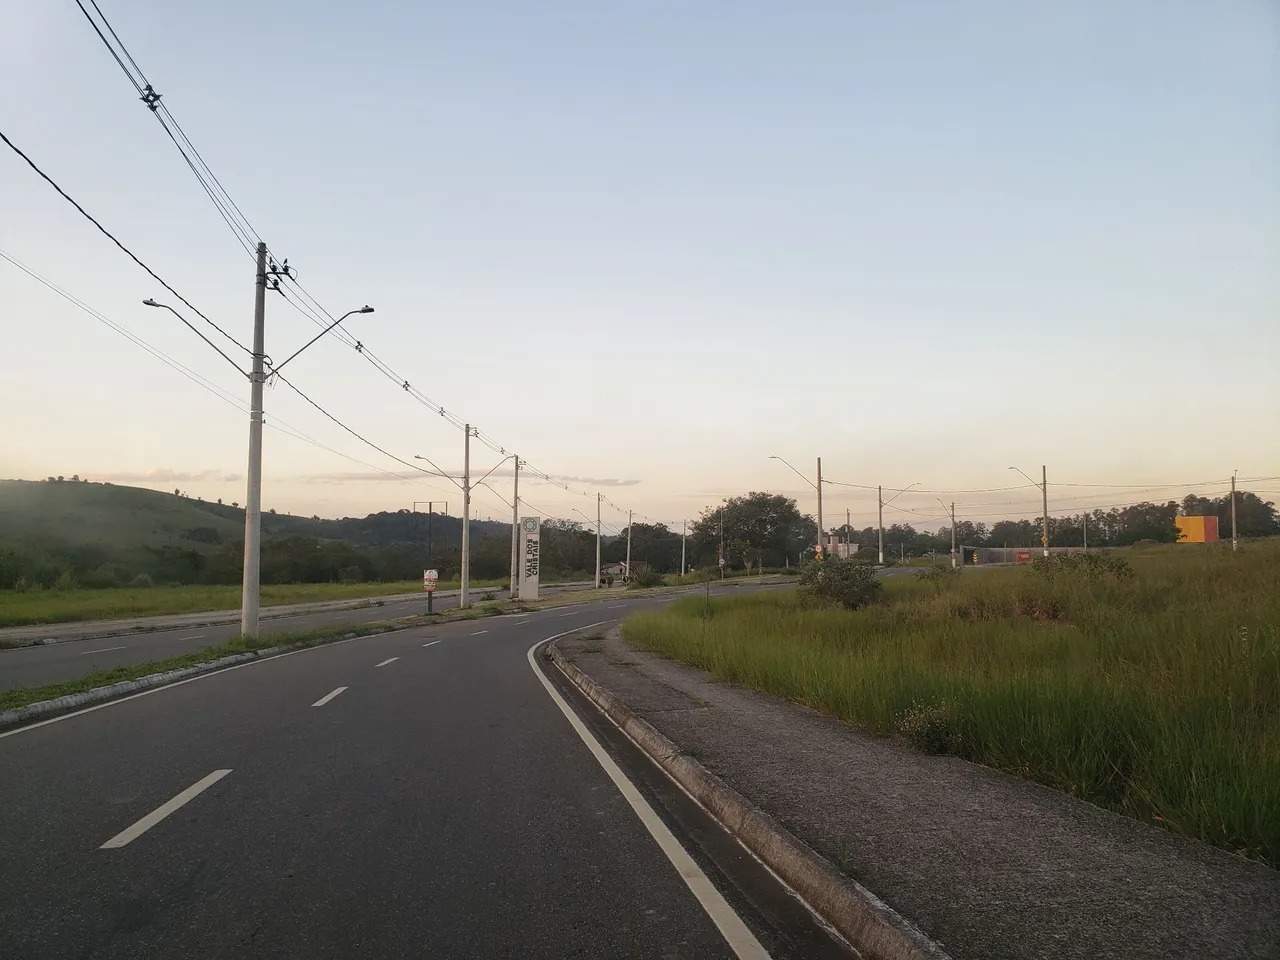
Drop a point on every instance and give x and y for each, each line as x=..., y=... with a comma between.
x=177, y=683
x=162, y=811
x=386, y=661
x=731, y=926
x=431, y=644
x=328, y=696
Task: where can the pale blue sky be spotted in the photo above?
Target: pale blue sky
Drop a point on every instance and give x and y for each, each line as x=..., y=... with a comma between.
x=658, y=242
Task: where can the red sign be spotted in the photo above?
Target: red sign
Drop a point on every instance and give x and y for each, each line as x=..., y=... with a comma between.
x=1024, y=556
x=429, y=579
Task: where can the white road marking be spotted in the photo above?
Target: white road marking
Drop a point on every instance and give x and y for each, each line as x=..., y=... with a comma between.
x=431, y=644
x=612, y=606
x=569, y=614
x=328, y=696
x=194, y=636
x=521, y=622
x=103, y=650
x=478, y=632
x=162, y=811
x=740, y=939
x=386, y=661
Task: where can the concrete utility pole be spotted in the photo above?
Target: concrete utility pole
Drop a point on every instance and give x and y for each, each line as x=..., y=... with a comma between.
x=848, y=532
x=952, y=511
x=723, y=559
x=599, y=497
x=821, y=531
x=515, y=529
x=1084, y=518
x=880, y=519
x=465, y=576
x=684, y=528
x=629, y=523
x=1235, y=542
x=1044, y=490
x=249, y=594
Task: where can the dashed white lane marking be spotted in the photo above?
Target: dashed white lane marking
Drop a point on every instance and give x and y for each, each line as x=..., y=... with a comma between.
x=386, y=661
x=103, y=650
x=520, y=623
x=194, y=636
x=159, y=813
x=740, y=939
x=569, y=614
x=431, y=644
x=328, y=696
x=478, y=632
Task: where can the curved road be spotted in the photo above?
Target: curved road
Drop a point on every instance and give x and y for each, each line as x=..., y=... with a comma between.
x=428, y=793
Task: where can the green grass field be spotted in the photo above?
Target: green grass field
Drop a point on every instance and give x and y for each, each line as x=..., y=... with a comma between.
x=65, y=606
x=1157, y=696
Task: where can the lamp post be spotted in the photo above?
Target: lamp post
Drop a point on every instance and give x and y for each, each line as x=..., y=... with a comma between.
x=251, y=579
x=1044, y=490
x=816, y=486
x=880, y=512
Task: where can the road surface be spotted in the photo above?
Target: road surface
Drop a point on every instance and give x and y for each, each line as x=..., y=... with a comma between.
x=418, y=794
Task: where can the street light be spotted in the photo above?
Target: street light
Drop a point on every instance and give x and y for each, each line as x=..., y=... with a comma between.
x=881, y=501
x=1044, y=490
x=816, y=486
x=952, y=510
x=365, y=309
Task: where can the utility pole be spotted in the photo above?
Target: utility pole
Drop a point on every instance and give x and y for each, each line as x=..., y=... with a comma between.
x=848, y=533
x=599, y=497
x=1234, y=539
x=821, y=532
x=466, y=518
x=722, y=556
x=1044, y=490
x=515, y=530
x=629, y=523
x=1084, y=517
x=953, y=534
x=684, y=528
x=880, y=520
x=253, y=498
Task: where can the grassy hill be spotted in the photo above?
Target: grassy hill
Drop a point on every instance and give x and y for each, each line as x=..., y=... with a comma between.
x=102, y=533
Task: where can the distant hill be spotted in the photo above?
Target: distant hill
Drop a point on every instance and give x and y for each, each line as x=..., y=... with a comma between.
x=85, y=526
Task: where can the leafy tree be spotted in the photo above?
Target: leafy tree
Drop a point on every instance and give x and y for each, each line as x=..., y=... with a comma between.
x=845, y=582
x=764, y=525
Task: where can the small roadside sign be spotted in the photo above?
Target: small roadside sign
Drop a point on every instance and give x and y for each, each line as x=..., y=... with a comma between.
x=429, y=580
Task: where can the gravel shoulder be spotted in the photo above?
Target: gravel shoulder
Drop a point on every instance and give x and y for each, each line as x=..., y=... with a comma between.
x=988, y=865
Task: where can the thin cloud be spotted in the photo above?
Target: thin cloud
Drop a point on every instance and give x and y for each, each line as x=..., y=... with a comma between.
x=363, y=476
x=167, y=475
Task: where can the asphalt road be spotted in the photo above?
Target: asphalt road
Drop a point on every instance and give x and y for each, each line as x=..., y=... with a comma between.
x=415, y=794
x=69, y=659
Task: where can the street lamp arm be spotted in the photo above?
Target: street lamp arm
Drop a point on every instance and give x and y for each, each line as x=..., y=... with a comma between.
x=365, y=309
x=900, y=493
x=495, y=467
x=152, y=303
x=795, y=471
x=1034, y=483
x=438, y=471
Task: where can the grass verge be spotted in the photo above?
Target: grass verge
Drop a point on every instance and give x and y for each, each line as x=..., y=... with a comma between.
x=1157, y=695
x=67, y=606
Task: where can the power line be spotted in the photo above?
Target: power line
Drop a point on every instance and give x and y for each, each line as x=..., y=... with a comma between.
x=132, y=256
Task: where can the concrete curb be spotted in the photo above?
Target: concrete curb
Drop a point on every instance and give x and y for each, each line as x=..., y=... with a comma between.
x=868, y=923
x=47, y=708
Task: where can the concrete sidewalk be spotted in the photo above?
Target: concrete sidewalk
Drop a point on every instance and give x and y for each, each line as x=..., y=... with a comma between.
x=988, y=865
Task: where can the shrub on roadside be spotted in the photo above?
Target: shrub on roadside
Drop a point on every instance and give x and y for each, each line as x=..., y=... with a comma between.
x=932, y=727
x=1085, y=566
x=646, y=577
x=847, y=583
x=351, y=574
x=142, y=580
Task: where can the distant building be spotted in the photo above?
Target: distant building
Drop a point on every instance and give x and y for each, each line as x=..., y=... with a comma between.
x=1197, y=529
x=835, y=547
x=619, y=569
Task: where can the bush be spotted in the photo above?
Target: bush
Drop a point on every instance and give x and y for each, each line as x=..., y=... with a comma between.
x=845, y=582
x=21, y=585
x=350, y=574
x=66, y=581
x=937, y=573
x=1082, y=566
x=646, y=577
x=142, y=580
x=932, y=727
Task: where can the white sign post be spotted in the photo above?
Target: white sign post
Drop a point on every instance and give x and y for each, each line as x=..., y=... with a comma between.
x=429, y=580
x=530, y=557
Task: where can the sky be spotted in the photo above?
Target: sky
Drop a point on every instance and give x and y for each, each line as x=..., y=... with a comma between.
x=649, y=245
